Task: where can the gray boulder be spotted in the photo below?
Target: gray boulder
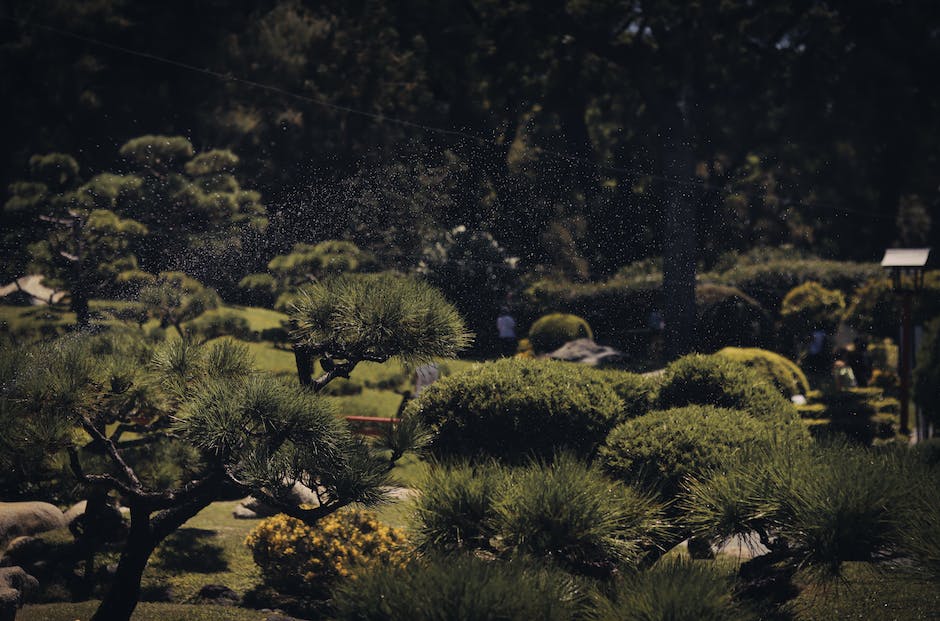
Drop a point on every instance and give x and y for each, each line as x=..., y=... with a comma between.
x=75, y=511
x=297, y=495
x=219, y=594
x=586, y=351
x=14, y=584
x=241, y=512
x=28, y=518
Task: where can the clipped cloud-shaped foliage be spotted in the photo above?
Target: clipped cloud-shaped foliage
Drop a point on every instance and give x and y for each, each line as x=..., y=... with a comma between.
x=660, y=449
x=782, y=372
x=515, y=408
x=715, y=380
x=552, y=331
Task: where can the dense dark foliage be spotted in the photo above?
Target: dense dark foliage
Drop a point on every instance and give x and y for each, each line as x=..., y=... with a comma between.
x=777, y=144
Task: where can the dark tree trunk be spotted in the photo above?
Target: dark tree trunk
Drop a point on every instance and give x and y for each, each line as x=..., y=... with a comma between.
x=79, y=305
x=145, y=535
x=121, y=600
x=679, y=248
x=303, y=359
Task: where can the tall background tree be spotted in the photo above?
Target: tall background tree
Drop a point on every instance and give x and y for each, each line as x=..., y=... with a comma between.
x=581, y=135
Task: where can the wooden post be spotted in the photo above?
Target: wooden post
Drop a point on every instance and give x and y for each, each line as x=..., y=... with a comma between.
x=905, y=353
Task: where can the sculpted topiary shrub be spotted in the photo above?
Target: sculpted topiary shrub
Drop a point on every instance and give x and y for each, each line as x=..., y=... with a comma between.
x=303, y=559
x=782, y=372
x=512, y=409
x=660, y=449
x=715, y=380
x=637, y=391
x=811, y=306
x=552, y=331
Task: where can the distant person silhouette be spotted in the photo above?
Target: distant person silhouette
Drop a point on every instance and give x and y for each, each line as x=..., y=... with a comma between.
x=506, y=327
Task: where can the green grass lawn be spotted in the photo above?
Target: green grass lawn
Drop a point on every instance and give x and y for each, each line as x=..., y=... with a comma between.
x=208, y=549
x=871, y=594
x=146, y=611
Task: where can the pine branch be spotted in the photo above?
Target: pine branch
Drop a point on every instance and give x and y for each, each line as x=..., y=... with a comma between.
x=98, y=479
x=113, y=453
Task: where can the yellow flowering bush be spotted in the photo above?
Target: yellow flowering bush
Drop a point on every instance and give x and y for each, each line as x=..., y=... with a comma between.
x=299, y=558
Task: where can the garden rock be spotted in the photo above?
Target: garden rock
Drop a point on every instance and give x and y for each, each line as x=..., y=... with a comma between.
x=220, y=595
x=299, y=494
x=241, y=512
x=586, y=351
x=28, y=518
x=23, y=551
x=14, y=583
x=75, y=510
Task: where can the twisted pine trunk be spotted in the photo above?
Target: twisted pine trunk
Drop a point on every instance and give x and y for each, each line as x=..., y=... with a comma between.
x=146, y=533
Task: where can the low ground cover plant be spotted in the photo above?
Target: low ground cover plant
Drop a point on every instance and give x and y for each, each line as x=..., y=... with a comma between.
x=308, y=559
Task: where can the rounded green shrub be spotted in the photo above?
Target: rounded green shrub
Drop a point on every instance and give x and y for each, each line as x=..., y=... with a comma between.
x=637, y=391
x=513, y=409
x=811, y=306
x=571, y=513
x=828, y=503
x=779, y=370
x=715, y=380
x=662, y=448
x=552, y=331
x=457, y=506
x=461, y=587
x=676, y=589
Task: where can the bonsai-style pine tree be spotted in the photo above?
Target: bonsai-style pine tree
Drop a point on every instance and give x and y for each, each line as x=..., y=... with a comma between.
x=174, y=210
x=74, y=233
x=251, y=433
x=371, y=318
x=304, y=264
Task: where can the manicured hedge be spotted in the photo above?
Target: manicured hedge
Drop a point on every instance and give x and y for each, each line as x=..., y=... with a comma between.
x=514, y=408
x=770, y=281
x=617, y=310
x=875, y=307
x=660, y=449
x=779, y=370
x=811, y=306
x=714, y=380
